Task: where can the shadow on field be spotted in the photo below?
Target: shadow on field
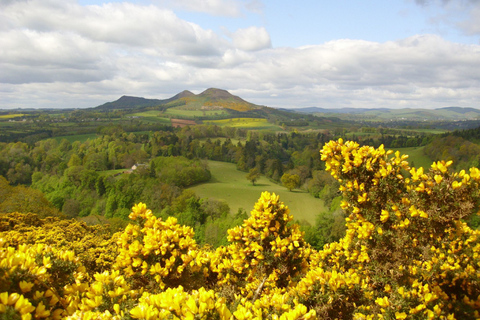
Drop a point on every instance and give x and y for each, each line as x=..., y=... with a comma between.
x=298, y=191
x=213, y=180
x=260, y=185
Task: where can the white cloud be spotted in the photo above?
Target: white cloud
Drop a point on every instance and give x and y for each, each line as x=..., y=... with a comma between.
x=115, y=23
x=227, y=8
x=251, y=39
x=471, y=26
x=462, y=14
x=61, y=54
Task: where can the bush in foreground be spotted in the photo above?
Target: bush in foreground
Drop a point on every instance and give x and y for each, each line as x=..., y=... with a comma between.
x=406, y=254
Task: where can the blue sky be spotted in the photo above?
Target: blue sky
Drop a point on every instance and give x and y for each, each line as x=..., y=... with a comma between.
x=332, y=54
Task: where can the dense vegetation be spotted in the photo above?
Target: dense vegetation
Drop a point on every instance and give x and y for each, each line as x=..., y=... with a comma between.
x=406, y=254
x=95, y=177
x=392, y=243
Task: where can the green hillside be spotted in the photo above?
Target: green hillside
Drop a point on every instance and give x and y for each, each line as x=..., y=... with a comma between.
x=230, y=184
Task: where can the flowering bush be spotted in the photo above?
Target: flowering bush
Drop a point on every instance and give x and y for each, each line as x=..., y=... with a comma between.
x=407, y=254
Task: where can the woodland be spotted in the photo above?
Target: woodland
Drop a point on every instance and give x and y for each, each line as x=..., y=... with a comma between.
x=105, y=226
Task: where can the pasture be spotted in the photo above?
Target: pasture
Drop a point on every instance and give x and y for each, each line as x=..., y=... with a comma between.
x=246, y=123
x=151, y=116
x=77, y=137
x=416, y=157
x=192, y=113
x=230, y=184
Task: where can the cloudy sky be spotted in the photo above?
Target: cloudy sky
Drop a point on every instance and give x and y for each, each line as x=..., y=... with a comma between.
x=279, y=53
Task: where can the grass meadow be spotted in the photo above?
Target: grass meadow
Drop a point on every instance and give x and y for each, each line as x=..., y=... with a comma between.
x=416, y=157
x=77, y=137
x=152, y=116
x=181, y=111
x=230, y=184
x=246, y=123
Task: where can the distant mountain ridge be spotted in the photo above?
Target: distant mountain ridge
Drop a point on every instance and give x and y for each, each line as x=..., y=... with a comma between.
x=382, y=114
x=214, y=99
x=128, y=102
x=211, y=97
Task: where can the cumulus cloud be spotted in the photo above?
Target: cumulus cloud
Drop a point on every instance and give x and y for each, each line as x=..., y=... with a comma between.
x=228, y=8
x=463, y=14
x=421, y=71
x=116, y=23
x=60, y=54
x=251, y=39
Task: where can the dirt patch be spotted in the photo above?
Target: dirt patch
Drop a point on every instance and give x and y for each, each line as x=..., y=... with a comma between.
x=179, y=123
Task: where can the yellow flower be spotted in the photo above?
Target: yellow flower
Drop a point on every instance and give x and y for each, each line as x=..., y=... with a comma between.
x=456, y=185
x=25, y=286
x=41, y=312
x=384, y=216
x=383, y=302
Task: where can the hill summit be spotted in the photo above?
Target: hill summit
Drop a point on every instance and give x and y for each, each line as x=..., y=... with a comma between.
x=210, y=98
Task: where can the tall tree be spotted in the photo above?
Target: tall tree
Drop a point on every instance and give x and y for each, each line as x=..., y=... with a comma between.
x=290, y=181
x=253, y=175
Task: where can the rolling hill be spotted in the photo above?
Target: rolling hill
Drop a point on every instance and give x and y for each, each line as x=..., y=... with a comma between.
x=210, y=99
x=383, y=114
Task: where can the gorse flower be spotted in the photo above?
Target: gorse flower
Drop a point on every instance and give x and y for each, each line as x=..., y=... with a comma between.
x=406, y=254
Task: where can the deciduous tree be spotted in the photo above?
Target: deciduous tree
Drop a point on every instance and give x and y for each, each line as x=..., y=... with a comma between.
x=290, y=181
x=253, y=175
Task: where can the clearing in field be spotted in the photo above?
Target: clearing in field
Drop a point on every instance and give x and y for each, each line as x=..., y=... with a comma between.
x=230, y=184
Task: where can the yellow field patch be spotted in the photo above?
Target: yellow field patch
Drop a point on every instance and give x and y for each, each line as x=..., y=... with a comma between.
x=10, y=116
x=243, y=122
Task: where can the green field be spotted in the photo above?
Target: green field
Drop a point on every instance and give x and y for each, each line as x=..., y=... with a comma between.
x=230, y=184
x=247, y=123
x=152, y=116
x=181, y=111
x=416, y=156
x=77, y=137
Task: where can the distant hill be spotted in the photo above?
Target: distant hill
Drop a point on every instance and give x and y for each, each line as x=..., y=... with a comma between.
x=209, y=99
x=342, y=110
x=127, y=102
x=383, y=114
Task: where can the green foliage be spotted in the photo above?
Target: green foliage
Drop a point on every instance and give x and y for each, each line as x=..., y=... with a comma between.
x=180, y=171
x=463, y=153
x=319, y=181
x=253, y=175
x=24, y=199
x=329, y=226
x=290, y=181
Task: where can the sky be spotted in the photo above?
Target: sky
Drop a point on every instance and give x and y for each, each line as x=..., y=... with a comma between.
x=277, y=53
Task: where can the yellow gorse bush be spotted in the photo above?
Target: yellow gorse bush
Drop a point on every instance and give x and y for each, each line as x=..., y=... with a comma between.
x=406, y=255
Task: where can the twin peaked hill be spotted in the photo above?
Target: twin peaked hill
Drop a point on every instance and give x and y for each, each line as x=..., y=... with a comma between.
x=215, y=99
x=209, y=99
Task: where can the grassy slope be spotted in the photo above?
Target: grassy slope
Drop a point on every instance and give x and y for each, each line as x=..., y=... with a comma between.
x=181, y=111
x=230, y=185
x=246, y=123
x=77, y=137
x=416, y=155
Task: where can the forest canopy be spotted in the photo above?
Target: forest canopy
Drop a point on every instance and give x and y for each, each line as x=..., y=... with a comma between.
x=407, y=253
